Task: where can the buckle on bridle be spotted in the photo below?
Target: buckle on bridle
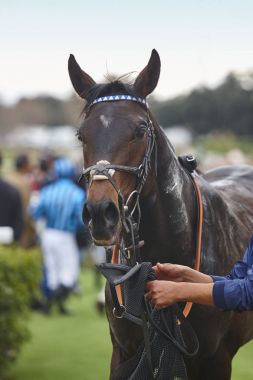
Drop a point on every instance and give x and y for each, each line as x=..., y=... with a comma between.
x=122, y=310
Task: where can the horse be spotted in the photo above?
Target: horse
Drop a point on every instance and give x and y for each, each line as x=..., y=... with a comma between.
x=114, y=130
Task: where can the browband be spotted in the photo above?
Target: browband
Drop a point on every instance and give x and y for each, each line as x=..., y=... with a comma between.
x=113, y=98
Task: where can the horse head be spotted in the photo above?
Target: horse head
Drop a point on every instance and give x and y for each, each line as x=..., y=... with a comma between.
x=118, y=140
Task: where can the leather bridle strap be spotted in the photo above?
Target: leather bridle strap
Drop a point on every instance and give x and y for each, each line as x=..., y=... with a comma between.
x=115, y=260
x=188, y=305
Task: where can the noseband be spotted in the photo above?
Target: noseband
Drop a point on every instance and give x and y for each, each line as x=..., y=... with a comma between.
x=104, y=170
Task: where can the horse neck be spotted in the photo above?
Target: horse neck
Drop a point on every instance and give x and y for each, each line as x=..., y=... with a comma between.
x=168, y=212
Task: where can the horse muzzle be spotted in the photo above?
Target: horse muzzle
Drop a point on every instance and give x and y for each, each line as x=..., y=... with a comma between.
x=103, y=219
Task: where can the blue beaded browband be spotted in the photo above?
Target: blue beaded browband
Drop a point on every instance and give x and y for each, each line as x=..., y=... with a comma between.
x=113, y=98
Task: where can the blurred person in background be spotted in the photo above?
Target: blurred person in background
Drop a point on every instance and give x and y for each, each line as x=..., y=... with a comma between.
x=60, y=204
x=11, y=212
x=43, y=174
x=21, y=179
x=46, y=173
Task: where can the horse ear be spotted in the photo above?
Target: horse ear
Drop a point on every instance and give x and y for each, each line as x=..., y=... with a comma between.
x=147, y=80
x=81, y=81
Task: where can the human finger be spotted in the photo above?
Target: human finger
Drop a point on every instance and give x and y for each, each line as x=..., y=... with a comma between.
x=148, y=297
x=158, y=307
x=165, y=266
x=149, y=285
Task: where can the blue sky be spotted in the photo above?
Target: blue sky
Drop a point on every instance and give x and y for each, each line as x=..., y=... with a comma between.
x=198, y=41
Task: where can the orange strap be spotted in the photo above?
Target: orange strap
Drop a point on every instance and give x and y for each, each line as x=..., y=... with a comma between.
x=115, y=260
x=188, y=305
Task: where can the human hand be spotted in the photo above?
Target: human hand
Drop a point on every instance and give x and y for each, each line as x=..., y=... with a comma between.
x=161, y=293
x=170, y=272
x=165, y=293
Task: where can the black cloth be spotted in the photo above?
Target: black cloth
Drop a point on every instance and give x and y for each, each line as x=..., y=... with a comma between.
x=167, y=335
x=11, y=212
x=133, y=281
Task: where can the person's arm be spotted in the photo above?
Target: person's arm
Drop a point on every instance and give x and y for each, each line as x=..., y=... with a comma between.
x=237, y=293
x=175, y=272
x=180, y=273
x=165, y=293
x=230, y=293
x=234, y=295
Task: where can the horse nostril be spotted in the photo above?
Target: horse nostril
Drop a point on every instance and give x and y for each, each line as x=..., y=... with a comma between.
x=101, y=214
x=111, y=214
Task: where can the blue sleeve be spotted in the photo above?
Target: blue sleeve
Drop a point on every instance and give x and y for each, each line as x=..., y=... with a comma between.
x=235, y=291
x=238, y=271
x=234, y=295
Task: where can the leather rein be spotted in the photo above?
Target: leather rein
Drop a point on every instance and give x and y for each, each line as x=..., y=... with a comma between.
x=130, y=212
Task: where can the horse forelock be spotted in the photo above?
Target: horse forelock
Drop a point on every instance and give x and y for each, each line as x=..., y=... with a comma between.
x=113, y=86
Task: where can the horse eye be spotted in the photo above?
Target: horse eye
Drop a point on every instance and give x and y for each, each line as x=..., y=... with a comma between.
x=78, y=135
x=140, y=131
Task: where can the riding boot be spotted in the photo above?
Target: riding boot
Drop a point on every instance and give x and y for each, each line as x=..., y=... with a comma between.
x=47, y=304
x=62, y=294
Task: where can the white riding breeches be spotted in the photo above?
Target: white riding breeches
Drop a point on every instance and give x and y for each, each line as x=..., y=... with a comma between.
x=61, y=258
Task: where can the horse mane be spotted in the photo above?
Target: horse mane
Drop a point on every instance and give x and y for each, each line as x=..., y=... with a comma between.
x=114, y=86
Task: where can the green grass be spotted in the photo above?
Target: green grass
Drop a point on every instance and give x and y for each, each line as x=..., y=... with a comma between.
x=67, y=347
x=78, y=347
x=242, y=365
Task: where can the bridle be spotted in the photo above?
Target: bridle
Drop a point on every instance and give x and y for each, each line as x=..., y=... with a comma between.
x=128, y=250
x=130, y=212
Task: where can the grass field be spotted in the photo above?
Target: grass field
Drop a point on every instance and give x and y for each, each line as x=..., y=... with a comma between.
x=78, y=347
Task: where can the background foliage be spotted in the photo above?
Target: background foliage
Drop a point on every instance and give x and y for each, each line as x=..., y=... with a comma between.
x=19, y=285
x=229, y=106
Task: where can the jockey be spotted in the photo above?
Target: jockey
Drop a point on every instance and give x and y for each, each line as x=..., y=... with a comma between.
x=60, y=205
